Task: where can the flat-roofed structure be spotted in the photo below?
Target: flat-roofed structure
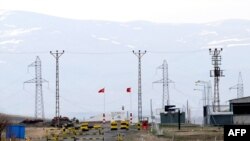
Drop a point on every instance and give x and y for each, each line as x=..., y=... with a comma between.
x=241, y=110
x=223, y=117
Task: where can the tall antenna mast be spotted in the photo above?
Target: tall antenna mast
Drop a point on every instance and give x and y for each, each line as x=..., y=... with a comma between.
x=57, y=55
x=38, y=80
x=139, y=54
x=165, y=84
x=216, y=73
x=239, y=87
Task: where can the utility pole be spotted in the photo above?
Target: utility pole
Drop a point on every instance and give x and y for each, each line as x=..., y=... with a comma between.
x=239, y=87
x=57, y=55
x=216, y=73
x=206, y=97
x=188, y=113
x=38, y=80
x=165, y=84
x=179, y=119
x=207, y=90
x=139, y=54
x=151, y=111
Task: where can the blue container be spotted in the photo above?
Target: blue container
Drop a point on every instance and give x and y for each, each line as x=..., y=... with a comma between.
x=15, y=131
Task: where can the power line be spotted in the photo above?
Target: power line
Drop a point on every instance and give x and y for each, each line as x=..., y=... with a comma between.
x=106, y=53
x=176, y=52
x=24, y=53
x=179, y=91
x=99, y=53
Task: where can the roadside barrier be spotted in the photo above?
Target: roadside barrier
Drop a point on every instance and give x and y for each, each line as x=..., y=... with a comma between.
x=72, y=133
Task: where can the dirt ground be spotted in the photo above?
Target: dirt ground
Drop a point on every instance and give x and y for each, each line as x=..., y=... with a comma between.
x=194, y=133
x=143, y=136
x=169, y=134
x=35, y=132
x=185, y=134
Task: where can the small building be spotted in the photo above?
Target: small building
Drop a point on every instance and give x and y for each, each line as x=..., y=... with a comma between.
x=241, y=110
x=172, y=117
x=211, y=117
x=221, y=118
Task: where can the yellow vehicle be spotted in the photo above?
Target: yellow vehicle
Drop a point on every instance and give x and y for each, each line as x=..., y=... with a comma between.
x=84, y=126
x=113, y=125
x=124, y=125
x=138, y=126
x=97, y=126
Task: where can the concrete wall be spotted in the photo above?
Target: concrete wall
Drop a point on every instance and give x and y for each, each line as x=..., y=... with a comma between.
x=221, y=119
x=241, y=119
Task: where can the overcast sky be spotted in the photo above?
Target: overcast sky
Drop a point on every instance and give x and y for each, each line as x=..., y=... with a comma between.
x=175, y=11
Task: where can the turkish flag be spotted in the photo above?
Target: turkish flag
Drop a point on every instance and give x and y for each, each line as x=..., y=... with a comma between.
x=128, y=90
x=101, y=90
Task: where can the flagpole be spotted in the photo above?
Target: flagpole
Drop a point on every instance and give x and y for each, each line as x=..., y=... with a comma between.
x=131, y=115
x=104, y=108
x=104, y=103
x=103, y=116
x=130, y=103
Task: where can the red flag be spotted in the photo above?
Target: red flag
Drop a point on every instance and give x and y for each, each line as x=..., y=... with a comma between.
x=101, y=90
x=128, y=90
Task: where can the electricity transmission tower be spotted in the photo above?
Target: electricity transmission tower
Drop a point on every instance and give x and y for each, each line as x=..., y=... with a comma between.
x=216, y=73
x=165, y=84
x=38, y=80
x=239, y=87
x=139, y=54
x=57, y=55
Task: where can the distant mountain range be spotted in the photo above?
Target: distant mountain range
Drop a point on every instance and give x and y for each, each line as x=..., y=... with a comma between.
x=99, y=54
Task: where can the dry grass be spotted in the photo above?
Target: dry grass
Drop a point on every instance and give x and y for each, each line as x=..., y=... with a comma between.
x=36, y=132
x=169, y=134
x=185, y=134
x=194, y=133
x=142, y=136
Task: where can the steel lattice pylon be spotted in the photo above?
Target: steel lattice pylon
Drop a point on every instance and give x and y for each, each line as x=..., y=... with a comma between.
x=239, y=87
x=216, y=73
x=139, y=54
x=57, y=55
x=38, y=80
x=165, y=84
